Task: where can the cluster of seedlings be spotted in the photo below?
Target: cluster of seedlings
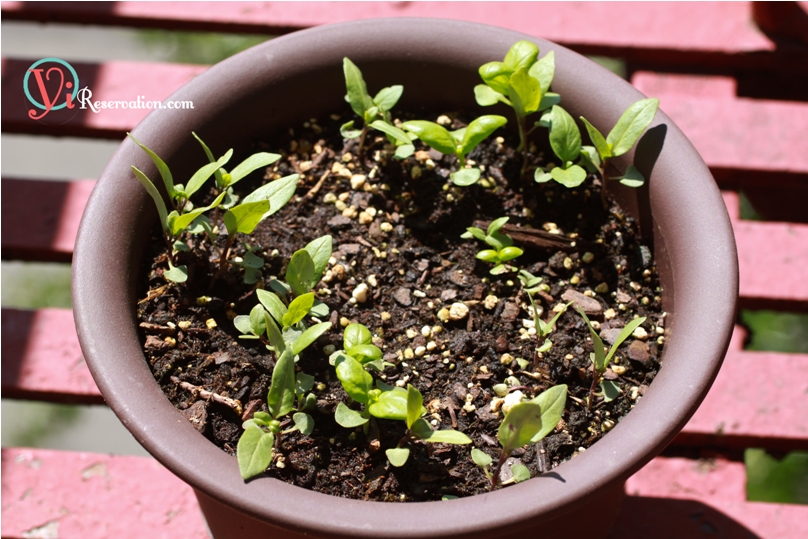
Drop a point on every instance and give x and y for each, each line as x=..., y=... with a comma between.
x=288, y=317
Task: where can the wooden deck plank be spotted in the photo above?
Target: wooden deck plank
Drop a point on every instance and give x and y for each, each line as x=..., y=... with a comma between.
x=50, y=236
x=671, y=498
x=92, y=496
x=110, y=81
x=42, y=360
x=721, y=35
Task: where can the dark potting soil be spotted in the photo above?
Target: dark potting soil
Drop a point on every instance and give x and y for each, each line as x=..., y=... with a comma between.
x=396, y=227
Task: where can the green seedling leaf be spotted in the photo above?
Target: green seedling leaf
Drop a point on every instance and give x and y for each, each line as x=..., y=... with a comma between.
x=162, y=211
x=304, y=423
x=365, y=353
x=356, y=334
x=415, y=405
x=244, y=325
x=391, y=405
x=632, y=177
x=521, y=55
x=520, y=473
x=300, y=272
x=356, y=381
x=272, y=303
x=404, y=151
x=571, y=177
x=475, y=232
x=548, y=100
x=542, y=177
x=245, y=217
x=252, y=163
x=610, y=390
x=319, y=309
x=348, y=132
x=320, y=251
x=458, y=134
x=481, y=459
x=280, y=288
x=309, y=336
x=357, y=96
x=590, y=159
x=434, y=135
x=258, y=324
x=524, y=92
x=631, y=125
x=398, y=456
x=348, y=418
x=251, y=260
x=565, y=138
x=495, y=225
x=274, y=334
x=465, y=177
x=398, y=135
x=521, y=423
x=509, y=253
x=201, y=176
x=552, y=403
x=543, y=71
x=624, y=334
x=422, y=430
x=387, y=98
x=298, y=309
x=487, y=96
x=600, y=360
x=489, y=255
x=176, y=274
x=303, y=383
x=254, y=451
x=278, y=193
x=181, y=222
x=604, y=148
x=290, y=337
x=479, y=129
x=162, y=168
x=496, y=75
x=219, y=173
x=371, y=113
x=281, y=397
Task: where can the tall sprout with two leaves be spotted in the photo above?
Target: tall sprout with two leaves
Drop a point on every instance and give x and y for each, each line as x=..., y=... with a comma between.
x=600, y=359
x=458, y=143
x=565, y=140
x=521, y=81
x=374, y=111
x=525, y=423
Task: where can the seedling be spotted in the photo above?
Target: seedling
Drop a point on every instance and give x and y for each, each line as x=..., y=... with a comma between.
x=530, y=282
x=261, y=433
x=459, y=142
x=374, y=111
x=483, y=460
x=600, y=359
x=524, y=79
x=565, y=140
x=503, y=249
x=526, y=422
x=543, y=329
x=225, y=180
x=631, y=125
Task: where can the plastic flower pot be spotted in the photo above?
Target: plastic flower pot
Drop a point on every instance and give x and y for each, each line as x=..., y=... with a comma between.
x=298, y=76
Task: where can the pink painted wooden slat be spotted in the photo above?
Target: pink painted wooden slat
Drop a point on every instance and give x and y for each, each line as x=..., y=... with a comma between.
x=41, y=358
x=673, y=498
x=731, y=132
x=112, y=81
x=91, y=496
x=712, y=32
x=58, y=207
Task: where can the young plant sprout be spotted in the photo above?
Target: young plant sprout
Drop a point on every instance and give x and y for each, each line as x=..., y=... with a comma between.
x=543, y=329
x=631, y=125
x=374, y=111
x=526, y=422
x=600, y=359
x=565, y=140
x=524, y=79
x=503, y=249
x=459, y=142
x=225, y=180
x=261, y=433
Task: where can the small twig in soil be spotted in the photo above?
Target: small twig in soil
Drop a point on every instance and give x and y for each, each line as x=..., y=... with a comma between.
x=153, y=294
x=252, y=406
x=450, y=407
x=206, y=394
x=313, y=191
x=540, y=239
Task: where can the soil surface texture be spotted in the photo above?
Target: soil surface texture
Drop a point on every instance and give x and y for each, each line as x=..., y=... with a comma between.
x=396, y=228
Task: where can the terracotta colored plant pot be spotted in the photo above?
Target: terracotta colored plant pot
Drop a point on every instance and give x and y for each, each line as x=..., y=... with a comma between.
x=289, y=79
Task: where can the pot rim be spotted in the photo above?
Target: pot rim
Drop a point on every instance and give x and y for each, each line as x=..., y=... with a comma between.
x=692, y=223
